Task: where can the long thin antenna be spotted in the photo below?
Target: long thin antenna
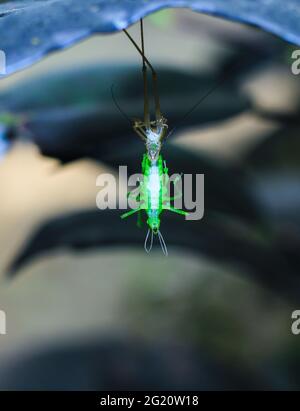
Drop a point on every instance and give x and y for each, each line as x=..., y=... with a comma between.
x=218, y=84
x=118, y=105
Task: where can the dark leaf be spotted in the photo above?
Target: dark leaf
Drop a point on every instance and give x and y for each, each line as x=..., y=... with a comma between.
x=30, y=29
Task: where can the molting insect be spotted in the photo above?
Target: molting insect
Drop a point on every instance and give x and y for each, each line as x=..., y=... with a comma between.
x=153, y=195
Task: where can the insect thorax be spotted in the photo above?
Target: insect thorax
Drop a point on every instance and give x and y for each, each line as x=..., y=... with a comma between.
x=153, y=135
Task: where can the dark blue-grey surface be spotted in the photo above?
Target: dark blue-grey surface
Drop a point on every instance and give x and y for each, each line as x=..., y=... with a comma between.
x=29, y=29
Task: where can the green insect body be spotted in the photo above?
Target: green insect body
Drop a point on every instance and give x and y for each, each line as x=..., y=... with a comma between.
x=153, y=198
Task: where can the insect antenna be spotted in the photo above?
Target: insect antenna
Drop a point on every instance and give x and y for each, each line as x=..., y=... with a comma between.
x=162, y=243
x=148, y=238
x=118, y=105
x=218, y=84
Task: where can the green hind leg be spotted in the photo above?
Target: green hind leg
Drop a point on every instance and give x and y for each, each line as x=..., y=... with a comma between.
x=176, y=210
x=129, y=213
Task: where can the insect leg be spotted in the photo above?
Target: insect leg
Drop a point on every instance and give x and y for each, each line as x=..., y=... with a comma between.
x=176, y=195
x=140, y=131
x=154, y=80
x=159, y=117
x=129, y=213
x=145, y=79
x=176, y=210
x=165, y=169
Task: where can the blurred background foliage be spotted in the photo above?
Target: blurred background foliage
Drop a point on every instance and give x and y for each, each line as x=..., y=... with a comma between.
x=86, y=308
